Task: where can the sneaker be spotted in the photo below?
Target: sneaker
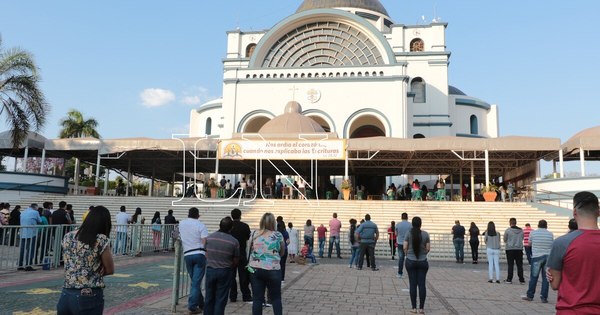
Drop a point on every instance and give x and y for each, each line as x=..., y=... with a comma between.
x=350, y=266
x=375, y=269
x=525, y=298
x=399, y=275
x=359, y=268
x=267, y=305
x=498, y=281
x=198, y=310
x=490, y=281
x=522, y=282
x=507, y=281
x=340, y=257
x=544, y=300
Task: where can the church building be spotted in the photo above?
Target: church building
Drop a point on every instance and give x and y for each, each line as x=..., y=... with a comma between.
x=353, y=69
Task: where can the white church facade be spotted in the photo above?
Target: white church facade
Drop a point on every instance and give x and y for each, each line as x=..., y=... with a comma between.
x=353, y=70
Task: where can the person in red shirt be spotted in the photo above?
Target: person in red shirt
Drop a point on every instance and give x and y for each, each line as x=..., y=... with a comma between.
x=321, y=230
x=526, y=231
x=573, y=261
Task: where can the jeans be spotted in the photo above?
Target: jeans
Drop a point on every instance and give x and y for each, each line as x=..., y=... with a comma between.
x=474, y=249
x=244, y=279
x=368, y=248
x=515, y=256
x=310, y=241
x=528, y=253
x=493, y=263
x=353, y=255
x=121, y=243
x=218, y=282
x=72, y=302
x=195, y=265
x=29, y=245
x=459, y=249
x=334, y=239
x=321, y=246
x=263, y=279
x=538, y=266
x=417, y=276
x=401, y=257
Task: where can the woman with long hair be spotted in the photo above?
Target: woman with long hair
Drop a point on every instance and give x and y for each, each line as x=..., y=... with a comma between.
x=492, y=245
x=474, y=241
x=293, y=247
x=156, y=231
x=309, y=234
x=136, y=234
x=416, y=246
x=286, y=240
x=266, y=249
x=392, y=238
x=88, y=259
x=354, y=244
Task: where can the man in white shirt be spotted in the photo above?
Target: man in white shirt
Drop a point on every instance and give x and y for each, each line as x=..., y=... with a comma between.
x=122, y=219
x=193, y=235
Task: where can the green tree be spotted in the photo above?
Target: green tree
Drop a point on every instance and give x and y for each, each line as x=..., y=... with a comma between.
x=23, y=103
x=75, y=126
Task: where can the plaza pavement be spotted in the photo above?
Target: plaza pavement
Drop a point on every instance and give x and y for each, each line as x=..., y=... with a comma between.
x=143, y=286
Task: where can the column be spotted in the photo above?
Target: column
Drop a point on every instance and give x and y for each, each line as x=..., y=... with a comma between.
x=582, y=161
x=472, y=182
x=97, y=181
x=43, y=163
x=561, y=163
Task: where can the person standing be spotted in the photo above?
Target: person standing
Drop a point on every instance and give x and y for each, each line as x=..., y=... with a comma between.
x=123, y=219
x=223, y=252
x=458, y=239
x=354, y=244
x=88, y=259
x=27, y=246
x=526, y=231
x=492, y=245
x=541, y=243
x=136, y=235
x=156, y=231
x=334, y=235
x=367, y=234
x=193, y=235
x=513, y=240
x=573, y=261
x=286, y=240
x=169, y=222
x=416, y=246
x=241, y=232
x=474, y=242
x=293, y=247
x=392, y=238
x=309, y=234
x=321, y=230
x=267, y=247
x=401, y=229
x=14, y=220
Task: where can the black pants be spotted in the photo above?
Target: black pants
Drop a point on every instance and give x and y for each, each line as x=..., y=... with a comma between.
x=515, y=256
x=474, y=249
x=417, y=277
x=369, y=249
x=244, y=279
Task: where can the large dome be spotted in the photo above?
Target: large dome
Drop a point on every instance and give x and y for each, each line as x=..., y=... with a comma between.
x=373, y=5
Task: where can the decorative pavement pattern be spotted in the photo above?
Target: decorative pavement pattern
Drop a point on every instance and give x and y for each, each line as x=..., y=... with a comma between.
x=143, y=286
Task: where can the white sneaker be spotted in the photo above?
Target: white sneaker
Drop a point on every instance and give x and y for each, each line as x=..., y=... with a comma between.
x=350, y=266
x=399, y=276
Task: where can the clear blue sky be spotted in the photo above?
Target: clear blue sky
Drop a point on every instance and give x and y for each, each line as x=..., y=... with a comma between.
x=536, y=59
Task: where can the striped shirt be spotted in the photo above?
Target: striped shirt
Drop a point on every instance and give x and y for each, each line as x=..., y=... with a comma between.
x=540, y=241
x=221, y=248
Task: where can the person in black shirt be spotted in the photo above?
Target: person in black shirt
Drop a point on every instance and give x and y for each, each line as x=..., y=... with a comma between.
x=241, y=232
x=169, y=218
x=169, y=242
x=458, y=238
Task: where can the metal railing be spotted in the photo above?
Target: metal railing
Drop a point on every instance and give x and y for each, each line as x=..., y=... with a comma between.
x=40, y=245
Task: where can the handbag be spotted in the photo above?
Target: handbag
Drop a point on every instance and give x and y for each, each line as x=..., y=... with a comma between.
x=156, y=226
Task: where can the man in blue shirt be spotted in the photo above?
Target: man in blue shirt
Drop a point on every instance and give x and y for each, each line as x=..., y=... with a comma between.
x=29, y=217
x=367, y=234
x=401, y=229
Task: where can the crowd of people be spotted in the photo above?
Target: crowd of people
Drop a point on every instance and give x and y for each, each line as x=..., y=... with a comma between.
x=258, y=258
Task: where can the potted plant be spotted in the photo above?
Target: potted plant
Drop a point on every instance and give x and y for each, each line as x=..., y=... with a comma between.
x=346, y=188
x=489, y=192
x=214, y=188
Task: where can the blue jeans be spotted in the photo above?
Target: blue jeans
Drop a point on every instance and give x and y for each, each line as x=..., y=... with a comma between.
x=528, y=253
x=310, y=241
x=263, y=279
x=538, y=266
x=334, y=239
x=321, y=246
x=121, y=243
x=27, y=244
x=218, y=282
x=417, y=276
x=195, y=265
x=401, y=257
x=459, y=249
x=72, y=301
x=353, y=255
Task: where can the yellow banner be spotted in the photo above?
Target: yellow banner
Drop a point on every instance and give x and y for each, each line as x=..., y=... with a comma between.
x=282, y=149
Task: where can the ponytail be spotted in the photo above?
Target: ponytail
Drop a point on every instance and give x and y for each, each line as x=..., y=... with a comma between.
x=416, y=235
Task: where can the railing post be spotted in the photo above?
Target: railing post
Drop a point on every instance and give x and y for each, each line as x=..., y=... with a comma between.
x=176, y=275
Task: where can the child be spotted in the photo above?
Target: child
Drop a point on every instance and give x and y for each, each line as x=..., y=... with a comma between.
x=307, y=253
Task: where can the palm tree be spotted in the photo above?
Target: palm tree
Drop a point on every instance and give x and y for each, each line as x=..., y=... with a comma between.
x=22, y=102
x=75, y=126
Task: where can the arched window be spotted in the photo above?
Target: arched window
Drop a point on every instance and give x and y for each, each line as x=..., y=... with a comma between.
x=250, y=50
x=418, y=136
x=417, y=44
x=208, y=127
x=417, y=86
x=474, y=125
